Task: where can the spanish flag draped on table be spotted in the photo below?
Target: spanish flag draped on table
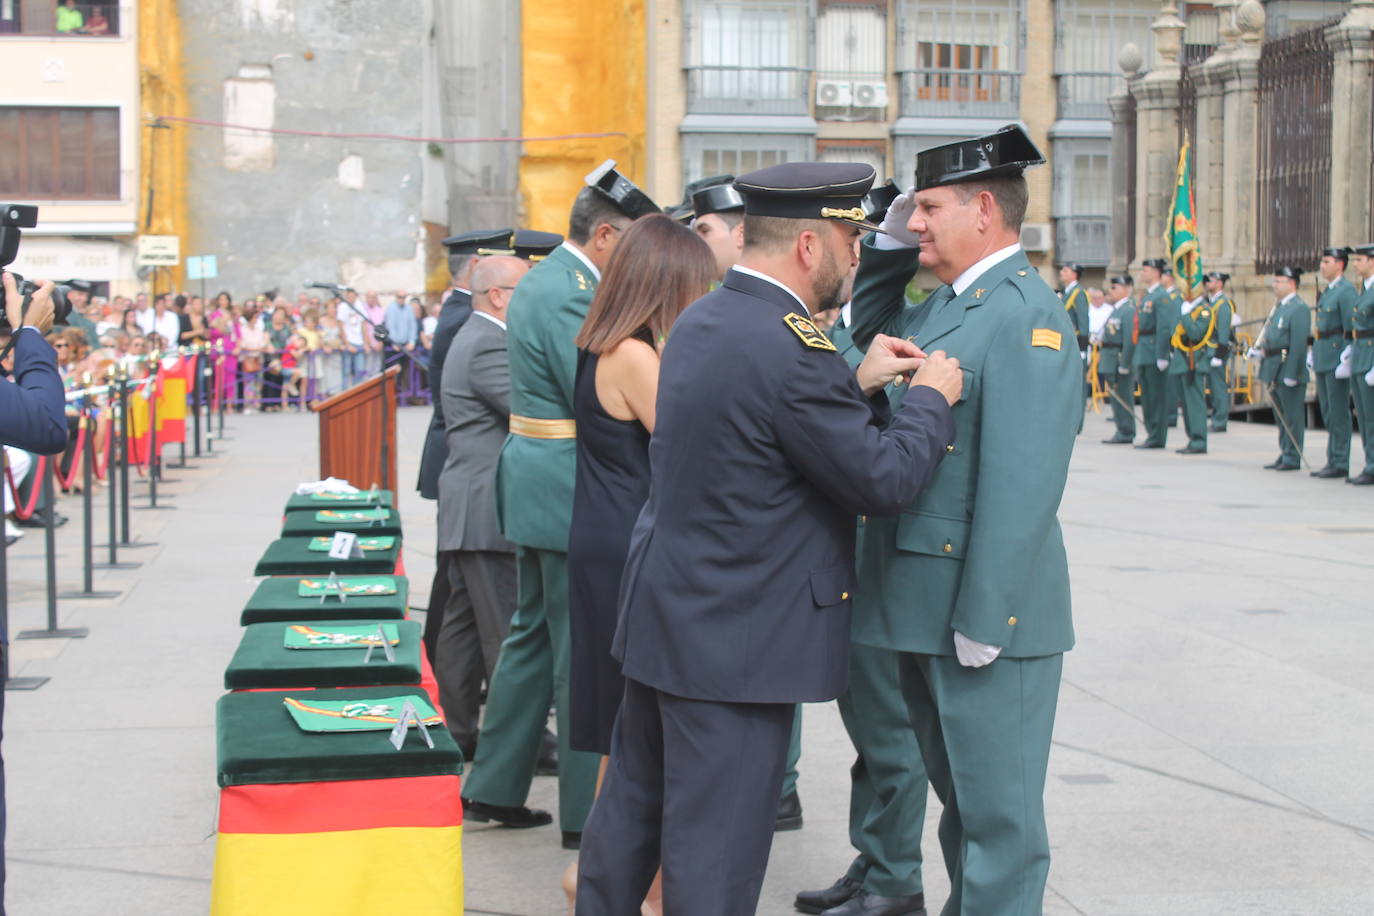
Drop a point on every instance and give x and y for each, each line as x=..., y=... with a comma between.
x=334, y=823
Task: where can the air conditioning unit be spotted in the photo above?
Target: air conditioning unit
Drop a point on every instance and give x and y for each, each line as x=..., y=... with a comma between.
x=870, y=94
x=834, y=93
x=1035, y=237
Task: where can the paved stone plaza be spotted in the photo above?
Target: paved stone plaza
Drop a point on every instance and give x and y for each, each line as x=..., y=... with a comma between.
x=1212, y=753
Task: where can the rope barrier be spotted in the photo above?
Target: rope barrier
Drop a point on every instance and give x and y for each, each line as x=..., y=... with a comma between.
x=67, y=481
x=40, y=467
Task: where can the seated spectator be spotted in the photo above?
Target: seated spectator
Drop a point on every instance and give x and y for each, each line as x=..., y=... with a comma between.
x=97, y=24
x=69, y=18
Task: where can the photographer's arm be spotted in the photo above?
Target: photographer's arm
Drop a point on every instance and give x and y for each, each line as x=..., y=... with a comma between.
x=32, y=411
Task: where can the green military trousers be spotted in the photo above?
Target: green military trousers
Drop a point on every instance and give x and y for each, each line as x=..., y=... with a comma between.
x=1193, y=388
x=1152, y=392
x=1122, y=387
x=985, y=736
x=887, y=796
x=1364, y=410
x=531, y=669
x=1333, y=395
x=1221, y=397
x=1173, y=396
x=1289, y=403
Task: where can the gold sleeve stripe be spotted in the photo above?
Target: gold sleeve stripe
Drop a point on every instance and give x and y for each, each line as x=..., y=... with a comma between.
x=1044, y=337
x=532, y=428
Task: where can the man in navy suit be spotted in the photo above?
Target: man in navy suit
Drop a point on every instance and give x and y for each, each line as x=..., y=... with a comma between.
x=736, y=595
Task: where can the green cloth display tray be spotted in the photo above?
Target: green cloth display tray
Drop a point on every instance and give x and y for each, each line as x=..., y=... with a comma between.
x=263, y=662
x=293, y=556
x=278, y=599
x=258, y=743
x=301, y=502
x=308, y=524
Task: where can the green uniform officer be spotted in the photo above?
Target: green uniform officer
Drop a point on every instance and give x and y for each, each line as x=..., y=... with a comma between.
x=970, y=584
x=534, y=507
x=1173, y=390
x=1116, y=360
x=1225, y=310
x=1362, y=359
x=1282, y=351
x=1331, y=331
x=1149, y=366
x=1075, y=299
x=1192, y=344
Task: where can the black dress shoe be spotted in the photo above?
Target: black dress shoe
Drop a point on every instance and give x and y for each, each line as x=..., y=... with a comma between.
x=10, y=539
x=1274, y=464
x=572, y=839
x=547, y=765
x=789, y=813
x=1150, y=445
x=1329, y=473
x=1118, y=440
x=1217, y=429
x=865, y=904
x=517, y=818
x=1285, y=467
x=832, y=896
x=1190, y=450
x=1363, y=480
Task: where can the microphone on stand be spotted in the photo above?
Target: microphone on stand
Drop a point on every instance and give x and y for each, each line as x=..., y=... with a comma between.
x=332, y=287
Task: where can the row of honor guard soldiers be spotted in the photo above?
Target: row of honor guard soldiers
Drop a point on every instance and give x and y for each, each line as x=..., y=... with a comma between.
x=1177, y=351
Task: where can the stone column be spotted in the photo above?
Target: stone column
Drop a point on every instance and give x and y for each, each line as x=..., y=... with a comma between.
x=1239, y=75
x=1156, y=95
x=1352, y=134
x=1209, y=148
x=1119, y=103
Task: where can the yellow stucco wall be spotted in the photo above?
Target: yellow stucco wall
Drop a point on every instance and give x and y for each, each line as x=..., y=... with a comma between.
x=163, y=153
x=583, y=71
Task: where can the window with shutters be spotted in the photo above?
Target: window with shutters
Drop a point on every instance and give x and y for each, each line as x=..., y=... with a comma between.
x=59, y=153
x=1082, y=205
x=748, y=56
x=869, y=152
x=851, y=62
x=706, y=154
x=960, y=57
x=1089, y=35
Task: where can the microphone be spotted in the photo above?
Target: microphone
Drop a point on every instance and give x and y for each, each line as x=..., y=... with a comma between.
x=332, y=287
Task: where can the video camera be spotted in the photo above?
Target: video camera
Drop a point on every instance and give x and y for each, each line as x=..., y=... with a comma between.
x=13, y=219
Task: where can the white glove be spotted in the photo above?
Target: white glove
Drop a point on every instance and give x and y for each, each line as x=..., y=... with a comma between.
x=894, y=223
x=1343, y=367
x=1369, y=378
x=1124, y=370
x=1309, y=360
x=1290, y=382
x=1082, y=354
x=1216, y=363
x=1255, y=353
x=974, y=654
x=1162, y=364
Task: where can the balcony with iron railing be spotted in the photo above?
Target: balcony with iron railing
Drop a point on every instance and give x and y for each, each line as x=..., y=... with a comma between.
x=968, y=93
x=748, y=90
x=1085, y=240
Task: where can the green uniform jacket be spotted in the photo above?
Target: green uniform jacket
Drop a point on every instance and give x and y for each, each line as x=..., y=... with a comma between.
x=980, y=550
x=1118, y=347
x=1285, y=343
x=1225, y=310
x=534, y=479
x=1335, y=317
x=1198, y=327
x=1167, y=313
x=1076, y=304
x=1362, y=319
x=1154, y=302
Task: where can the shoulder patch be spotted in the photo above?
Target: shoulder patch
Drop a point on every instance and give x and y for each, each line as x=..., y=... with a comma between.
x=583, y=283
x=808, y=332
x=1044, y=337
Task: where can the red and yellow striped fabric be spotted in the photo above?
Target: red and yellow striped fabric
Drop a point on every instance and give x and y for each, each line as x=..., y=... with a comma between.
x=340, y=848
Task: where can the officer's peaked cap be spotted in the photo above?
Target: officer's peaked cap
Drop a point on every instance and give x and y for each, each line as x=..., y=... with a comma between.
x=809, y=190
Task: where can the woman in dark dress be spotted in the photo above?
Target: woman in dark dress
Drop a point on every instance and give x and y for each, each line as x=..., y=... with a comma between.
x=659, y=267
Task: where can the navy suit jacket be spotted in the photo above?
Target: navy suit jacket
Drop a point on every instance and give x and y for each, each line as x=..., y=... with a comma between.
x=33, y=410
x=737, y=585
x=454, y=313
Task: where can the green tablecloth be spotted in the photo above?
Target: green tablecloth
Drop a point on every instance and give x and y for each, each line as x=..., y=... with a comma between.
x=293, y=556
x=262, y=660
x=257, y=742
x=303, y=524
x=277, y=599
x=300, y=502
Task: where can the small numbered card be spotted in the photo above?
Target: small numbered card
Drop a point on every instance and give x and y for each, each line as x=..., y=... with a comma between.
x=380, y=714
x=352, y=516
x=302, y=636
x=353, y=587
x=409, y=716
x=324, y=544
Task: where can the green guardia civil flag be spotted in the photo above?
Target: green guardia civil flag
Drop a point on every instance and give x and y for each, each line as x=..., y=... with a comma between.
x=385, y=542
x=353, y=636
x=1180, y=238
x=352, y=516
x=351, y=585
x=381, y=714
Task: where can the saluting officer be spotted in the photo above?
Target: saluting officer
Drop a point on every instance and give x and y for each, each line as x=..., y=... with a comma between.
x=735, y=600
x=1362, y=359
x=1225, y=310
x=1282, y=351
x=1116, y=360
x=1149, y=366
x=1334, y=321
x=970, y=582
x=1192, y=344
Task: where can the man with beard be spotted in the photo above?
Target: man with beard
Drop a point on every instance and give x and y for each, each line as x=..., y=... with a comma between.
x=735, y=599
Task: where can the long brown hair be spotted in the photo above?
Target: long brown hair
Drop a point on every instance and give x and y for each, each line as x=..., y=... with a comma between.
x=658, y=268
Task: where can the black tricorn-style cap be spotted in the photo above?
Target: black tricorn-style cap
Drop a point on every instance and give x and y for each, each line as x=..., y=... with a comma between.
x=683, y=212
x=1366, y=250
x=623, y=192
x=533, y=245
x=1007, y=152
x=1076, y=268
x=879, y=199
x=1123, y=280
x=1342, y=253
x=719, y=198
x=1158, y=264
x=1218, y=276
x=480, y=241
x=809, y=190
x=1289, y=271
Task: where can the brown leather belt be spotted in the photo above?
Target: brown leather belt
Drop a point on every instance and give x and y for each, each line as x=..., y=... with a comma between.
x=532, y=428
x=1106, y=345
x=1362, y=335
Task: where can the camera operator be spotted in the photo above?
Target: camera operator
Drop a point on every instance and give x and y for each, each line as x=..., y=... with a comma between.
x=33, y=410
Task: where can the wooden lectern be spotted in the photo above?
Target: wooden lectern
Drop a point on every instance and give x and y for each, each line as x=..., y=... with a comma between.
x=358, y=433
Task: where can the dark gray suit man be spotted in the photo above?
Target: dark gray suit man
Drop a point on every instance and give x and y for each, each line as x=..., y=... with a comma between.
x=475, y=393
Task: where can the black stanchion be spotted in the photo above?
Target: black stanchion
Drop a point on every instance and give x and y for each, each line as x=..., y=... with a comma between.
x=88, y=520
x=125, y=491
x=195, y=401
x=154, y=463
x=112, y=494
x=52, y=630
x=11, y=683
